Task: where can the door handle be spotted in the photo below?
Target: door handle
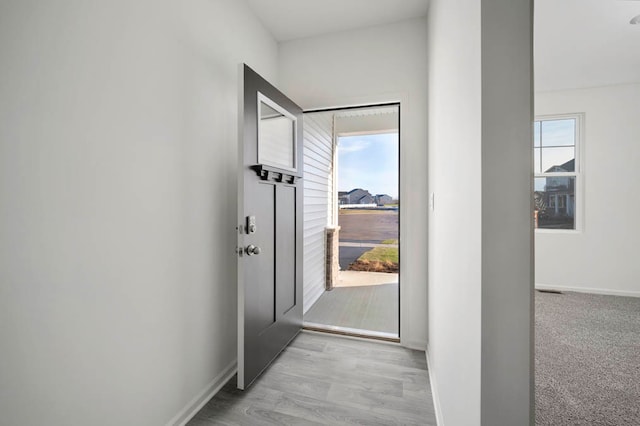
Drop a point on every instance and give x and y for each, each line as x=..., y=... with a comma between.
x=251, y=250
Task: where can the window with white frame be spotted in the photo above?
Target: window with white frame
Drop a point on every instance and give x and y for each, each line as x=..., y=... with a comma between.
x=556, y=144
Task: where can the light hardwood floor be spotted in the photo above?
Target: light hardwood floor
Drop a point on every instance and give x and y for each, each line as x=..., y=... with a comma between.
x=330, y=380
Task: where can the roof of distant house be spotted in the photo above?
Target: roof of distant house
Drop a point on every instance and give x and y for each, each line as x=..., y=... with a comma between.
x=569, y=166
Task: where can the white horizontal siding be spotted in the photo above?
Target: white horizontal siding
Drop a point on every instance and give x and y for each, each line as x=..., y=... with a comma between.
x=318, y=155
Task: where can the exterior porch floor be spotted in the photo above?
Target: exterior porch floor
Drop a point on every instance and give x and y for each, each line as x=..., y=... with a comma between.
x=362, y=302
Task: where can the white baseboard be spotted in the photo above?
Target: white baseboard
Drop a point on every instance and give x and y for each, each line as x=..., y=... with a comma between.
x=434, y=391
x=192, y=408
x=604, y=291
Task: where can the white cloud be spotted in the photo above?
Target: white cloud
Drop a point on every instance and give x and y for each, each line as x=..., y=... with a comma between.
x=353, y=146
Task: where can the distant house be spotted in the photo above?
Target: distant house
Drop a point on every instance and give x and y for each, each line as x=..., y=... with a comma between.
x=343, y=197
x=569, y=166
x=356, y=196
x=366, y=199
x=383, y=199
x=558, y=198
x=362, y=196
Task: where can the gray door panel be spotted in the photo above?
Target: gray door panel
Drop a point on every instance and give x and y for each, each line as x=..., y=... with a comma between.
x=285, y=249
x=269, y=279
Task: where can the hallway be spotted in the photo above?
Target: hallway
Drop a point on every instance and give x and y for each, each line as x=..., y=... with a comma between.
x=322, y=379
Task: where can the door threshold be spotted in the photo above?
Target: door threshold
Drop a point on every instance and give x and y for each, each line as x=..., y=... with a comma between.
x=351, y=332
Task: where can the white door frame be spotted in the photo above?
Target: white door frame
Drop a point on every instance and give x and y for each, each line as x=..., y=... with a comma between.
x=407, y=337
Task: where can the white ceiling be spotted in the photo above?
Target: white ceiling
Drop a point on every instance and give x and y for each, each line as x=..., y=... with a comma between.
x=578, y=43
x=293, y=19
x=585, y=43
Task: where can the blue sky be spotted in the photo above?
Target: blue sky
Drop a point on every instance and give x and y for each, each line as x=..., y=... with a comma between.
x=557, y=138
x=553, y=145
x=369, y=162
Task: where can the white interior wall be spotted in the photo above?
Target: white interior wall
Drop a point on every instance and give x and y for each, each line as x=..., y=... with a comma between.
x=455, y=222
x=118, y=127
x=379, y=64
x=602, y=257
x=480, y=241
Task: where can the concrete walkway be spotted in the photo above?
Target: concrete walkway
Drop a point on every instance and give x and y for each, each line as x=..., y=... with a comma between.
x=348, y=244
x=361, y=278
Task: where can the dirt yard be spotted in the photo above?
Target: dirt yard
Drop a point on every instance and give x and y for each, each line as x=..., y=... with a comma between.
x=368, y=266
x=368, y=225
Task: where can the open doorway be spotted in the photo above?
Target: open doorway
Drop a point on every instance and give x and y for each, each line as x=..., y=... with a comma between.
x=361, y=294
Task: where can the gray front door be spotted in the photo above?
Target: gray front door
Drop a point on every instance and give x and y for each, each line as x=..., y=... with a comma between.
x=270, y=225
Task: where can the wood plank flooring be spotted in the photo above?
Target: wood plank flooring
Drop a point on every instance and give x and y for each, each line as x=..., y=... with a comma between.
x=330, y=380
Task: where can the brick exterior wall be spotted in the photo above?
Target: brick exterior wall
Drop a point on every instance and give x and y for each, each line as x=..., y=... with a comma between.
x=332, y=264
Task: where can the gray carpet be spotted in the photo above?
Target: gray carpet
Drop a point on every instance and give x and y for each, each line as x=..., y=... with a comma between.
x=587, y=359
x=373, y=308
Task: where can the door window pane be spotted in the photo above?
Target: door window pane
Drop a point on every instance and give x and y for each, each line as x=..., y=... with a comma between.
x=536, y=133
x=536, y=160
x=276, y=137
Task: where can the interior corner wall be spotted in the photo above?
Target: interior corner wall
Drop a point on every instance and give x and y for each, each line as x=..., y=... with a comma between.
x=118, y=148
x=455, y=112
x=602, y=257
x=379, y=64
x=507, y=391
x=480, y=241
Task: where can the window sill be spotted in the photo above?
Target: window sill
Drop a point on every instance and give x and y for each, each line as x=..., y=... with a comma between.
x=558, y=231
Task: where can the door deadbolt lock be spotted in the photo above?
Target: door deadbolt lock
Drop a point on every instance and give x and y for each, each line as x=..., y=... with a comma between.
x=251, y=225
x=251, y=250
